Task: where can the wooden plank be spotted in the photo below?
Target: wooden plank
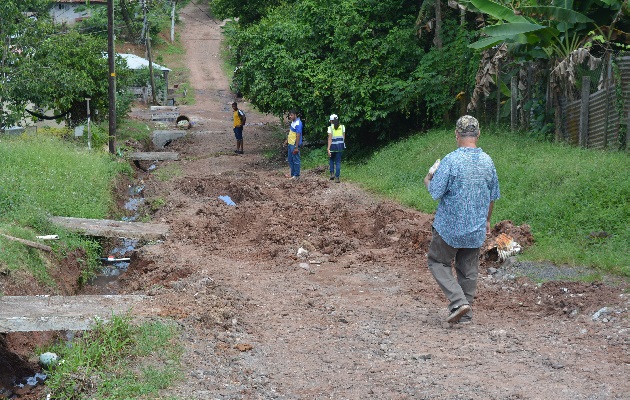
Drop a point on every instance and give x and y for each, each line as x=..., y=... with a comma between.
x=27, y=242
x=110, y=228
x=61, y=313
x=154, y=156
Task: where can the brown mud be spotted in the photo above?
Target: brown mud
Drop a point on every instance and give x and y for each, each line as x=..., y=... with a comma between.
x=356, y=314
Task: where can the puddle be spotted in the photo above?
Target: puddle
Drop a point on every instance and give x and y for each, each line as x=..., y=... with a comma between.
x=134, y=202
x=32, y=380
x=115, y=263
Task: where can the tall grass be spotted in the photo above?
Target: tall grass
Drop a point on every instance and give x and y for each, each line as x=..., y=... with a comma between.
x=117, y=360
x=576, y=201
x=44, y=176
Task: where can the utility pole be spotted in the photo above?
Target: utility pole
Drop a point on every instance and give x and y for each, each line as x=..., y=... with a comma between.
x=112, y=76
x=173, y=21
x=144, y=20
x=151, y=78
x=87, y=99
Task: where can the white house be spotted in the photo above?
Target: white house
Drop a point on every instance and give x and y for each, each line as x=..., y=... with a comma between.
x=135, y=62
x=73, y=11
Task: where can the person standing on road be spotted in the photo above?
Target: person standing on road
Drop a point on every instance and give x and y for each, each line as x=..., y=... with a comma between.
x=239, y=122
x=294, y=141
x=466, y=184
x=336, y=145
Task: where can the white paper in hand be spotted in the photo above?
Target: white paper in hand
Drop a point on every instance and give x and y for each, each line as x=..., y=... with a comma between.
x=434, y=167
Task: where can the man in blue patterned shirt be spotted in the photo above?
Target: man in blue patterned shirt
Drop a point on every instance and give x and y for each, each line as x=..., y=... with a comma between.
x=466, y=184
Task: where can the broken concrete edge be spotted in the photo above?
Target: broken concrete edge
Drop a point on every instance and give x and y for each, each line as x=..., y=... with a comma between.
x=111, y=228
x=61, y=323
x=70, y=313
x=154, y=156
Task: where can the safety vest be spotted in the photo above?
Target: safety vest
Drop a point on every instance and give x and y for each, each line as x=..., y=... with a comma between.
x=337, y=143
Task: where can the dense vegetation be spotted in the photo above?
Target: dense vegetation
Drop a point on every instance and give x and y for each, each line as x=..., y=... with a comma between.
x=390, y=67
x=46, y=66
x=361, y=59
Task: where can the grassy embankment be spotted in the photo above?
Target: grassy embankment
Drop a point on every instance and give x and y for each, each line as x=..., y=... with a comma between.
x=44, y=176
x=575, y=200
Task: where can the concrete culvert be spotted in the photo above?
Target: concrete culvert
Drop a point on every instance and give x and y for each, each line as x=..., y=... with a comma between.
x=183, y=122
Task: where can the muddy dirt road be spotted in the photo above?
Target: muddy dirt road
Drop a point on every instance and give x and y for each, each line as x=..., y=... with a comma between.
x=359, y=316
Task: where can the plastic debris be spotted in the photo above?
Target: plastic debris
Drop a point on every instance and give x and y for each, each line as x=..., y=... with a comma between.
x=506, y=246
x=47, y=359
x=227, y=200
x=48, y=237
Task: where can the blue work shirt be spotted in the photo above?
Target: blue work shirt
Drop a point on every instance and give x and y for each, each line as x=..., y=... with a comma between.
x=465, y=182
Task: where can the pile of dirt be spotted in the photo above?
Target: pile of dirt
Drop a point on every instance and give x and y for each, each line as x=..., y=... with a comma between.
x=317, y=289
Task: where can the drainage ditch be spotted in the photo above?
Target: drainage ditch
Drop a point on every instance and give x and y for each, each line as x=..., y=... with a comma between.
x=22, y=379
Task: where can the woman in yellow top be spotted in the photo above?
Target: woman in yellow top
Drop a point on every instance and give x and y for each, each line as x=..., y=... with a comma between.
x=336, y=145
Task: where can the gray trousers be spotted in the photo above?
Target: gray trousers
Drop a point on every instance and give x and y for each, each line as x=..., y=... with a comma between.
x=459, y=291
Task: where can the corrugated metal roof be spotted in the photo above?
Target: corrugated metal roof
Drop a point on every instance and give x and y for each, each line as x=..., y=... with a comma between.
x=136, y=62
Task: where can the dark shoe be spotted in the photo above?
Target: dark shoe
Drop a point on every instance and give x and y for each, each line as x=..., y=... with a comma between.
x=337, y=179
x=457, y=313
x=240, y=152
x=332, y=177
x=236, y=151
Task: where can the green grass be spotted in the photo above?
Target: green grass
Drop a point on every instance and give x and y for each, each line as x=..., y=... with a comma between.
x=117, y=360
x=133, y=129
x=44, y=176
x=564, y=193
x=169, y=172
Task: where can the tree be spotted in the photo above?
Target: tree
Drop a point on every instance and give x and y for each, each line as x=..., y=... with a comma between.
x=246, y=11
x=21, y=21
x=361, y=59
x=57, y=72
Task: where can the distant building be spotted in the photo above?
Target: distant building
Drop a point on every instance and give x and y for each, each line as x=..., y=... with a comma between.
x=135, y=63
x=72, y=11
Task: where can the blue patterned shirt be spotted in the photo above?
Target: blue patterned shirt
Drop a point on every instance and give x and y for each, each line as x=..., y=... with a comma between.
x=465, y=182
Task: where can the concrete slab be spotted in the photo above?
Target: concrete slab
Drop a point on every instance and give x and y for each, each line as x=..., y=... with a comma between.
x=110, y=228
x=164, y=108
x=165, y=116
x=160, y=138
x=68, y=313
x=154, y=156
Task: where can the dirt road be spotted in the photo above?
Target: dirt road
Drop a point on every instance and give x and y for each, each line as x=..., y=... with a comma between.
x=359, y=316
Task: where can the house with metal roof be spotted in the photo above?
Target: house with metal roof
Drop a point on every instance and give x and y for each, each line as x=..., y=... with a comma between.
x=135, y=63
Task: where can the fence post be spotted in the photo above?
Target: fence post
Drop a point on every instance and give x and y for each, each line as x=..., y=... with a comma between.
x=498, y=92
x=513, y=102
x=609, y=100
x=586, y=92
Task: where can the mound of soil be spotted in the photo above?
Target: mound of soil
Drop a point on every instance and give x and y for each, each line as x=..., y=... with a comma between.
x=317, y=289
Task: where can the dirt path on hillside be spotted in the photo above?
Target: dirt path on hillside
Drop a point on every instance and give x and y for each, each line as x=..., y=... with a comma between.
x=359, y=317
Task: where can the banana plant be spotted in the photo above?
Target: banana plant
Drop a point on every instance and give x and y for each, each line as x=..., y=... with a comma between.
x=548, y=31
